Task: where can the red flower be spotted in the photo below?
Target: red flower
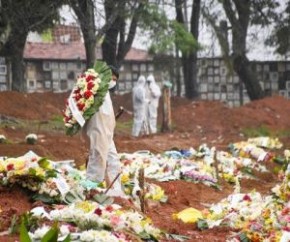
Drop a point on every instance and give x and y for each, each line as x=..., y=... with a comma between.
x=10, y=167
x=89, y=78
x=247, y=198
x=98, y=211
x=66, y=119
x=90, y=85
x=76, y=91
x=109, y=208
x=81, y=106
x=88, y=94
x=78, y=97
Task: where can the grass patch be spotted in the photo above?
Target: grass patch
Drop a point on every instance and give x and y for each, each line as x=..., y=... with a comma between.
x=124, y=127
x=256, y=132
x=265, y=131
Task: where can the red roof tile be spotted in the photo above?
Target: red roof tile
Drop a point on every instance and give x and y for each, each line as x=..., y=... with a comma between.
x=138, y=55
x=55, y=51
x=72, y=51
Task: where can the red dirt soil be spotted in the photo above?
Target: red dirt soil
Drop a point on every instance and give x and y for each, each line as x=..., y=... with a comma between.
x=194, y=123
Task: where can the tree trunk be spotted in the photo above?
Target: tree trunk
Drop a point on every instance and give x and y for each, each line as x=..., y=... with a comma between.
x=90, y=44
x=16, y=46
x=166, y=109
x=189, y=61
x=177, y=73
x=109, y=45
x=84, y=10
x=190, y=75
x=242, y=68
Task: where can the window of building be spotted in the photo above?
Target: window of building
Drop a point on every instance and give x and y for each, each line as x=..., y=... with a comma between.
x=55, y=85
x=2, y=78
x=223, y=88
x=210, y=79
x=54, y=65
x=71, y=66
x=128, y=85
x=143, y=67
x=266, y=67
x=128, y=76
x=39, y=85
x=3, y=70
x=150, y=67
x=31, y=84
x=46, y=66
x=47, y=84
x=55, y=75
x=203, y=87
x=210, y=71
x=63, y=75
x=63, y=84
x=2, y=61
x=135, y=67
x=62, y=66
x=71, y=75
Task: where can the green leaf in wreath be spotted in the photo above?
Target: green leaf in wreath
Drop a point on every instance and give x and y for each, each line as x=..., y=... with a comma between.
x=24, y=236
x=51, y=235
x=44, y=163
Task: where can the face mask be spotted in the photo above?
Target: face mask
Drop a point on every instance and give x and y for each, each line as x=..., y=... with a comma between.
x=112, y=84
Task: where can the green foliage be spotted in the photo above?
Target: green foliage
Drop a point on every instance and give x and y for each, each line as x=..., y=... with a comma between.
x=52, y=234
x=24, y=236
x=256, y=132
x=166, y=33
x=202, y=224
x=44, y=163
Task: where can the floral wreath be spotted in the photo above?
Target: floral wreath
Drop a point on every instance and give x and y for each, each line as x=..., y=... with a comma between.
x=86, y=97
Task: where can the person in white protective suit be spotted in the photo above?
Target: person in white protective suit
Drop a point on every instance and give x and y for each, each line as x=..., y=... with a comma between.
x=139, y=106
x=152, y=95
x=103, y=161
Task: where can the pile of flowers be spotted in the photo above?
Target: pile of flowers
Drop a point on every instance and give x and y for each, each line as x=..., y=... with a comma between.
x=86, y=97
x=90, y=219
x=31, y=139
x=29, y=172
x=2, y=139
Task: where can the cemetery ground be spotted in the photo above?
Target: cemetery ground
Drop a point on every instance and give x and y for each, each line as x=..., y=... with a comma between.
x=193, y=123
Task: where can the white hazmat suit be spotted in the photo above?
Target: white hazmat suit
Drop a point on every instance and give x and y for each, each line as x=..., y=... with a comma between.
x=139, y=107
x=152, y=94
x=103, y=159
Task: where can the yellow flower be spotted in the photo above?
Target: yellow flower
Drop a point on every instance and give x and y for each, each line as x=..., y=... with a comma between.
x=125, y=178
x=18, y=164
x=146, y=221
x=39, y=172
x=2, y=167
x=85, y=206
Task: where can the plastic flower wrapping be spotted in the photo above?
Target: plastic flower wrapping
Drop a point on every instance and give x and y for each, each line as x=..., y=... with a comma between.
x=91, y=219
x=87, y=96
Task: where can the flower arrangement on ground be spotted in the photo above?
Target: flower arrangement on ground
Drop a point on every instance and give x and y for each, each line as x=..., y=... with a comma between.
x=31, y=139
x=2, y=139
x=86, y=97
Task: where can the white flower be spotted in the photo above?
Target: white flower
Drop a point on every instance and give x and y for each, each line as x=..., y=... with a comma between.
x=2, y=138
x=40, y=232
x=31, y=138
x=64, y=230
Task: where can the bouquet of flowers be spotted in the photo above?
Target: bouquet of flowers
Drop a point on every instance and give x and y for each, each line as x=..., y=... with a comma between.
x=31, y=139
x=86, y=97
